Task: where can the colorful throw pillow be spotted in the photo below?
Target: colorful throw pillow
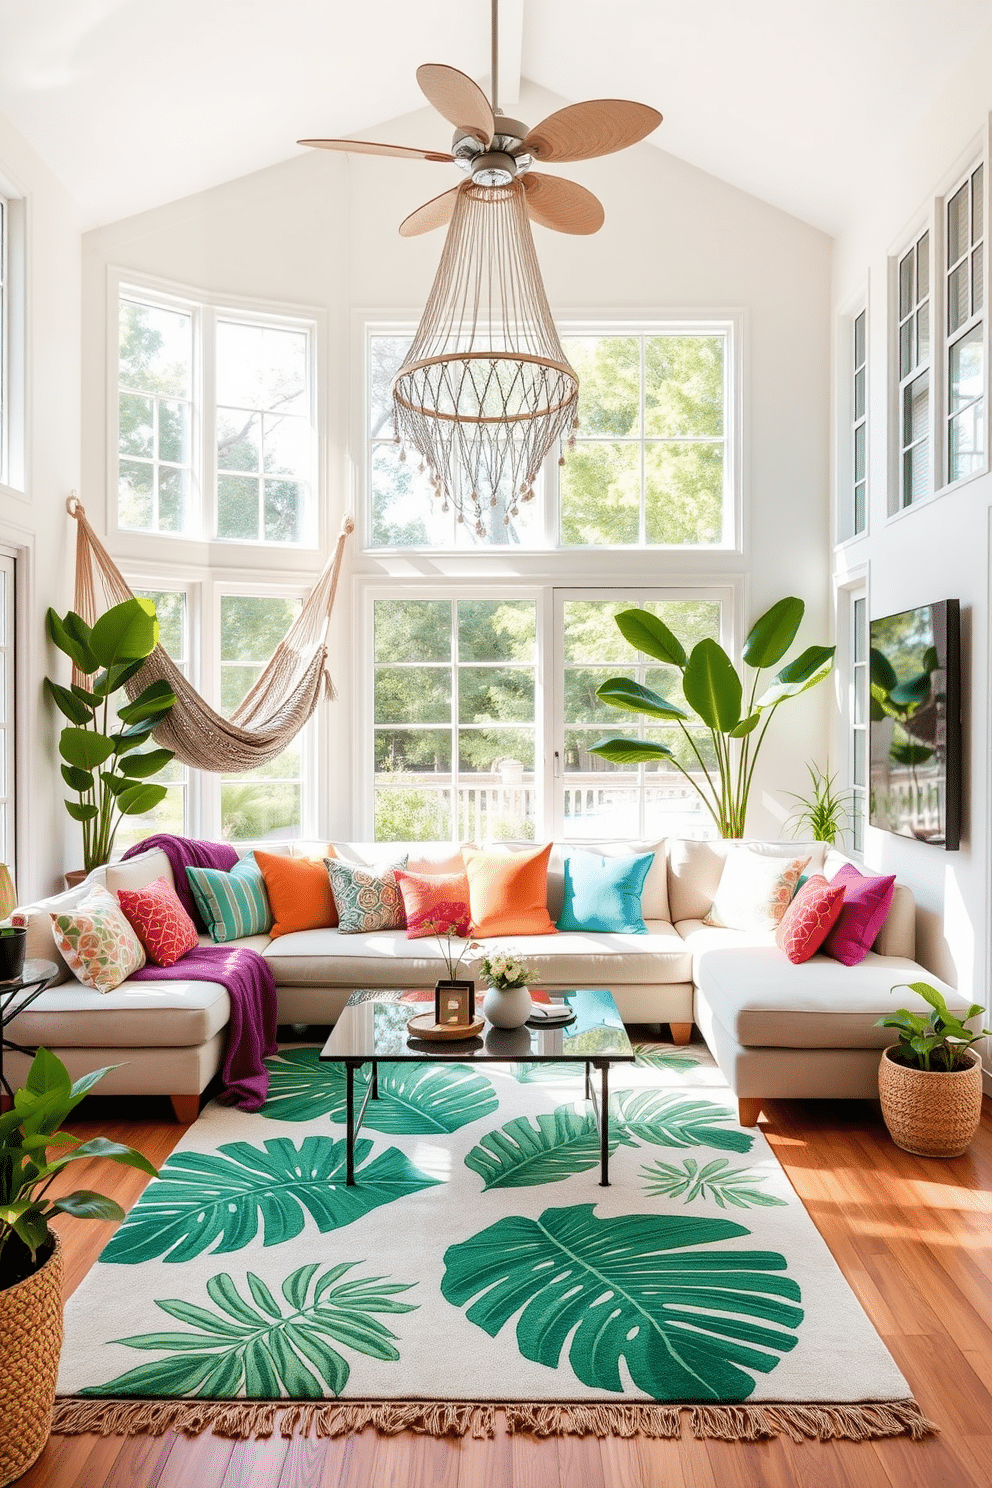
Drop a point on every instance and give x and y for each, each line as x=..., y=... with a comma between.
x=299, y=893
x=156, y=915
x=433, y=903
x=366, y=896
x=866, y=903
x=604, y=893
x=508, y=892
x=754, y=890
x=809, y=918
x=99, y=946
x=231, y=904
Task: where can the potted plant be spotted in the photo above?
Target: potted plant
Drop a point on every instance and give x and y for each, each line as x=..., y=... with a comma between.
x=825, y=812
x=736, y=717
x=449, y=922
x=930, y=1082
x=103, y=762
x=507, y=1003
x=30, y=1256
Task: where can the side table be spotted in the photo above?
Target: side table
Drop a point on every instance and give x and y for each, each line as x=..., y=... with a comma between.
x=14, y=998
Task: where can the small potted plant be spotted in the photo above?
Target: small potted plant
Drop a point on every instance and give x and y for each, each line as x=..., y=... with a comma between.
x=507, y=1003
x=826, y=812
x=930, y=1082
x=30, y=1254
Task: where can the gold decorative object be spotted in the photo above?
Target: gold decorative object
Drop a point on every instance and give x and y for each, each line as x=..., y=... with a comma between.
x=8, y=894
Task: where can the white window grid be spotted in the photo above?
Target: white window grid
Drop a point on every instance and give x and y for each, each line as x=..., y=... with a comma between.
x=965, y=352
x=913, y=365
x=858, y=715
x=859, y=423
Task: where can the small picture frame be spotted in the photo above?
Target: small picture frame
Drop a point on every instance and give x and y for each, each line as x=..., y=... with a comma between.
x=454, y=1004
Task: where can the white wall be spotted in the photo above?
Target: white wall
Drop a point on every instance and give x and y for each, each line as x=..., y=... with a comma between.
x=321, y=231
x=939, y=549
x=32, y=515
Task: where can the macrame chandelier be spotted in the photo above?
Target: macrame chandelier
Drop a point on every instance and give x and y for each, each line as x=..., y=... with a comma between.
x=485, y=391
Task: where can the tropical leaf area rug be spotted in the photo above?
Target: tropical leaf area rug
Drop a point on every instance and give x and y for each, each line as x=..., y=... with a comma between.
x=477, y=1265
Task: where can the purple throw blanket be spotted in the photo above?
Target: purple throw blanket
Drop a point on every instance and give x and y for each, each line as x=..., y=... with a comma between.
x=251, y=1034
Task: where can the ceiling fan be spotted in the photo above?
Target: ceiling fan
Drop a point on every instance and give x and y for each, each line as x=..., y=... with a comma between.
x=494, y=150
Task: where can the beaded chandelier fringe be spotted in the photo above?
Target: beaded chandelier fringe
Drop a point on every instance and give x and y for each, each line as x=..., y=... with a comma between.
x=485, y=392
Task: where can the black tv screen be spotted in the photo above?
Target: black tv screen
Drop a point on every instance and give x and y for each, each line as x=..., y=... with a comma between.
x=915, y=667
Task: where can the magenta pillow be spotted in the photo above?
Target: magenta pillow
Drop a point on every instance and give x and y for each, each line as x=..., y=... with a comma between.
x=866, y=903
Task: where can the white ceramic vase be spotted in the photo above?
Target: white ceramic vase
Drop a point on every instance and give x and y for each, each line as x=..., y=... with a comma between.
x=509, y=1007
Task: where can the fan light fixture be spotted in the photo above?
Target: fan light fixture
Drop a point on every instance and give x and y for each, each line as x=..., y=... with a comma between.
x=485, y=392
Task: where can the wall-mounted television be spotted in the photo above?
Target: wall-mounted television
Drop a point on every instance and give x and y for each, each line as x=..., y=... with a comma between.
x=915, y=711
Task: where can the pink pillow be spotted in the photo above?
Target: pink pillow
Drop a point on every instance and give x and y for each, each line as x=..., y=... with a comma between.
x=866, y=903
x=433, y=902
x=156, y=915
x=809, y=918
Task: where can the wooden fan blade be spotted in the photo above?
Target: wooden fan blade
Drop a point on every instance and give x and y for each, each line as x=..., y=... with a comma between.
x=458, y=99
x=585, y=130
x=562, y=205
x=434, y=213
x=372, y=147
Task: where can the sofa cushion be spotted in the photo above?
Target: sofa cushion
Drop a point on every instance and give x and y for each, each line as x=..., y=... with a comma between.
x=422, y=857
x=366, y=897
x=159, y=920
x=434, y=903
x=694, y=870
x=135, y=1015
x=654, y=893
x=97, y=942
x=865, y=904
x=134, y=873
x=762, y=999
x=755, y=889
x=604, y=893
x=508, y=891
x=809, y=918
x=299, y=892
x=231, y=904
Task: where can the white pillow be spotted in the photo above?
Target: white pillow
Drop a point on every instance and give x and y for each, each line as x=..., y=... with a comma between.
x=754, y=890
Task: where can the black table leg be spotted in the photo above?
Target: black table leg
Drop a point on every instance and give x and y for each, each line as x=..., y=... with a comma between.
x=350, y=1125
x=375, y=1080
x=604, y=1128
x=589, y=1094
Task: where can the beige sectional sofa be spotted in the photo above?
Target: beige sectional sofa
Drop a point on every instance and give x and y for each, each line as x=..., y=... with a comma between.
x=775, y=1029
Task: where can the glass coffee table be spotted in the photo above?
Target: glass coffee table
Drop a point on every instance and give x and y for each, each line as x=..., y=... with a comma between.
x=372, y=1029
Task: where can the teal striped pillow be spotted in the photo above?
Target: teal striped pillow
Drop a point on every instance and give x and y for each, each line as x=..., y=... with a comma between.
x=232, y=904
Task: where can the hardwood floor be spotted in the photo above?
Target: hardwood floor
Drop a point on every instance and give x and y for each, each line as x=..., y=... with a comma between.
x=912, y=1236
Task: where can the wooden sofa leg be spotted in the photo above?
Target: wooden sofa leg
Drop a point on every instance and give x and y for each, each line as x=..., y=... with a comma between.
x=748, y=1111
x=186, y=1107
x=681, y=1032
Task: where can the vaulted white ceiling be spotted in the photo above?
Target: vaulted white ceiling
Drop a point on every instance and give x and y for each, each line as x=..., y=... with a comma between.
x=137, y=102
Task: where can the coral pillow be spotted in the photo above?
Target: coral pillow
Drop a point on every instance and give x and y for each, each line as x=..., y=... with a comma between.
x=366, y=896
x=809, y=918
x=866, y=903
x=299, y=893
x=604, y=893
x=434, y=902
x=755, y=890
x=156, y=915
x=508, y=892
x=99, y=946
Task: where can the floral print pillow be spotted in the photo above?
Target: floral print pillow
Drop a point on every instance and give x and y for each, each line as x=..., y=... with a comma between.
x=755, y=890
x=366, y=897
x=99, y=946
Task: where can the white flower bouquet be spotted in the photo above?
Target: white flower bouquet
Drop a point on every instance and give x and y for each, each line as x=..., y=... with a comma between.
x=504, y=971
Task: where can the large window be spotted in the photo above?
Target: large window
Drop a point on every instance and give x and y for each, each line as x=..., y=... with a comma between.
x=215, y=421
x=859, y=424
x=915, y=479
x=652, y=464
x=470, y=697
x=965, y=294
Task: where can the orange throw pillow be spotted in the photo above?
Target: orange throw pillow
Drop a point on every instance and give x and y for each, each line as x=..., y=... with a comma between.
x=299, y=891
x=508, y=892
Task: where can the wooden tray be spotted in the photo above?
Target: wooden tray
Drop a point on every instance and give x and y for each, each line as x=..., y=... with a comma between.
x=424, y=1027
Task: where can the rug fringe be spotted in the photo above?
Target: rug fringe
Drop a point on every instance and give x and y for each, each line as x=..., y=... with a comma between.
x=244, y=1419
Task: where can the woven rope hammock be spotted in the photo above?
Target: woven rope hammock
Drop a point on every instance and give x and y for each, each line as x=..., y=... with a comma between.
x=275, y=709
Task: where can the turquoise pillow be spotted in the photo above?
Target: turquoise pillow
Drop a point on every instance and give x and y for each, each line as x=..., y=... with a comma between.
x=604, y=893
x=232, y=904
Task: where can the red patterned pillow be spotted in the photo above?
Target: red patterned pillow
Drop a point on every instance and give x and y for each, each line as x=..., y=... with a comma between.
x=434, y=903
x=809, y=918
x=159, y=920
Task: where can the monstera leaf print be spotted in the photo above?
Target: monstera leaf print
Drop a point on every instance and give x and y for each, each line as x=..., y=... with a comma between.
x=265, y=1349
x=688, y=1322
x=670, y=1120
x=517, y=1155
x=544, y=1072
x=419, y=1099
x=216, y=1201
x=649, y=1056
x=715, y=1180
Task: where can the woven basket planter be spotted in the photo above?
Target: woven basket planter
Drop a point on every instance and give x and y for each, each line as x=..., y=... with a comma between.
x=932, y=1113
x=31, y=1329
